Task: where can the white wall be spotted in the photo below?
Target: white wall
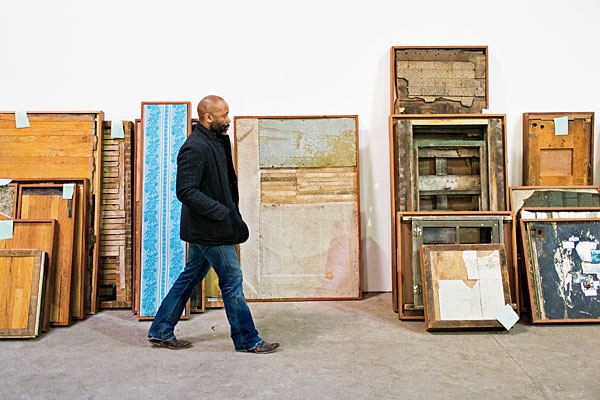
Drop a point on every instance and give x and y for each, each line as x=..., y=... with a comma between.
x=295, y=58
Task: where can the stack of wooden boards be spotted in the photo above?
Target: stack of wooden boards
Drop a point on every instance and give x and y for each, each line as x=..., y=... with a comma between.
x=453, y=252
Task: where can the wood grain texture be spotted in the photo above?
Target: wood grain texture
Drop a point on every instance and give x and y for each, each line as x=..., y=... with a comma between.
x=47, y=203
x=43, y=235
x=21, y=292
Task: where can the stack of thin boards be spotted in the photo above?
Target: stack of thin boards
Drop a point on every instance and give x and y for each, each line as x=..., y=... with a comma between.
x=453, y=252
x=299, y=180
x=53, y=201
x=559, y=219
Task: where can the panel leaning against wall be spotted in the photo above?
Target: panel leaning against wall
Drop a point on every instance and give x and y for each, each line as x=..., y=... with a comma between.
x=161, y=253
x=299, y=194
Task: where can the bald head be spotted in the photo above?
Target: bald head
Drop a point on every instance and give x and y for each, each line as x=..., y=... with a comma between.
x=213, y=114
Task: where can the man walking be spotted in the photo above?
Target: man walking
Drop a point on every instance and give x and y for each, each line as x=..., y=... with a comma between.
x=212, y=225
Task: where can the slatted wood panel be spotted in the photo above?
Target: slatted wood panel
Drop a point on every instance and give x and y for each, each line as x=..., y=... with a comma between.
x=115, y=273
x=21, y=292
x=42, y=202
x=56, y=146
x=37, y=234
x=553, y=160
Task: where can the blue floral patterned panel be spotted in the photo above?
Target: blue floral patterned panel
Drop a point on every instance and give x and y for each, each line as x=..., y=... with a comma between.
x=165, y=129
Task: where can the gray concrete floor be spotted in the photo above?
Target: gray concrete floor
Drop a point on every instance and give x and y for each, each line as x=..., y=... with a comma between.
x=330, y=350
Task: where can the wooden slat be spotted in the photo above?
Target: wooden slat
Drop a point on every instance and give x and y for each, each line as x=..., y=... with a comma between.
x=449, y=183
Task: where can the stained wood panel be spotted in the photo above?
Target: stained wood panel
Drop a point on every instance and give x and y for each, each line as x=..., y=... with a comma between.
x=37, y=234
x=438, y=80
x=43, y=202
x=115, y=270
x=554, y=159
x=21, y=292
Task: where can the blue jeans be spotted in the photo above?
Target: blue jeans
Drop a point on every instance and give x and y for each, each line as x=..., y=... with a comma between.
x=224, y=261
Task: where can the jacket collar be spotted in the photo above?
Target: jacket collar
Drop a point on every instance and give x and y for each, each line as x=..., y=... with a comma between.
x=211, y=135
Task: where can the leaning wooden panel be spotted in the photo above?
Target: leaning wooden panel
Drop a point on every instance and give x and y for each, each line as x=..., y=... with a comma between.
x=421, y=228
x=554, y=196
x=8, y=201
x=43, y=235
x=161, y=253
x=438, y=79
x=21, y=292
x=552, y=157
x=562, y=266
x=465, y=285
x=43, y=202
x=115, y=275
x=299, y=180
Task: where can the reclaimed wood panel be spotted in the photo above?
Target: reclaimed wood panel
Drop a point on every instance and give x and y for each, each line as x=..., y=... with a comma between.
x=551, y=159
x=161, y=253
x=438, y=80
x=555, y=196
x=115, y=269
x=46, y=202
x=43, y=235
x=464, y=285
x=21, y=292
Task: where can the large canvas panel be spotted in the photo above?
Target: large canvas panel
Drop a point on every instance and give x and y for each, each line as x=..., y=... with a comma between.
x=163, y=253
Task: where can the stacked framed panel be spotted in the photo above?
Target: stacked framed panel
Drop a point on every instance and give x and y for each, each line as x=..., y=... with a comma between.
x=160, y=253
x=300, y=196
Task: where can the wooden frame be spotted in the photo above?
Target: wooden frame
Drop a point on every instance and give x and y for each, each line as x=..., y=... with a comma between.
x=534, y=282
x=139, y=159
x=454, y=269
x=235, y=157
x=408, y=250
x=549, y=169
x=401, y=195
x=447, y=109
x=33, y=317
x=576, y=189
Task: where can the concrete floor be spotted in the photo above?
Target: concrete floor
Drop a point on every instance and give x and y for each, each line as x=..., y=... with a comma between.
x=330, y=350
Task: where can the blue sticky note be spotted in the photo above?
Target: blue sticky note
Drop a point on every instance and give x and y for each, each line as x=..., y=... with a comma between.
x=561, y=126
x=4, y=182
x=6, y=229
x=21, y=119
x=68, y=190
x=116, y=131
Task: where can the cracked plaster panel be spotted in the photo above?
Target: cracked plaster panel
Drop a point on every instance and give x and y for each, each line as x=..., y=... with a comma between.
x=309, y=251
x=307, y=142
x=249, y=188
x=7, y=202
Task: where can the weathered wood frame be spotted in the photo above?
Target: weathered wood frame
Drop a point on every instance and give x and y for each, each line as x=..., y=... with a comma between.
x=433, y=324
x=528, y=177
x=360, y=269
x=528, y=266
x=393, y=82
x=407, y=252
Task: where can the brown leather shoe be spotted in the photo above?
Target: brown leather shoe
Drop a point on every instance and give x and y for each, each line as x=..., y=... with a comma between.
x=173, y=344
x=264, y=348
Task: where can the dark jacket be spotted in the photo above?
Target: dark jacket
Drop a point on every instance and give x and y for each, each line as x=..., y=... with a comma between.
x=207, y=187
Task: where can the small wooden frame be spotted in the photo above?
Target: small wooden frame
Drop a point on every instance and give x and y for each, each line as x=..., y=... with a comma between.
x=563, y=283
x=416, y=229
x=553, y=196
x=438, y=79
x=21, y=292
x=551, y=158
x=464, y=285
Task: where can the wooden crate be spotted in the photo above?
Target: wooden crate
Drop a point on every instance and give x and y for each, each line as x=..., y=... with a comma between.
x=438, y=80
x=59, y=146
x=115, y=270
x=551, y=159
x=446, y=163
x=415, y=229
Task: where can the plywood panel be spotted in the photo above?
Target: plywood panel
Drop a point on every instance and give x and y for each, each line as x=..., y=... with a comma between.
x=21, y=292
x=47, y=203
x=37, y=234
x=165, y=127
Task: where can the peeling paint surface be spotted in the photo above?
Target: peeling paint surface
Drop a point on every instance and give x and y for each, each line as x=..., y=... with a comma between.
x=310, y=142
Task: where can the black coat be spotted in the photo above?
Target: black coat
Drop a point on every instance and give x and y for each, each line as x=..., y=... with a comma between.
x=207, y=187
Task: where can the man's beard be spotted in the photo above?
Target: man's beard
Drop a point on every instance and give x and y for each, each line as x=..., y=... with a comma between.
x=219, y=129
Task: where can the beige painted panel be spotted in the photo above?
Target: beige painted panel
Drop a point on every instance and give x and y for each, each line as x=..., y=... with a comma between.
x=249, y=188
x=308, y=251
